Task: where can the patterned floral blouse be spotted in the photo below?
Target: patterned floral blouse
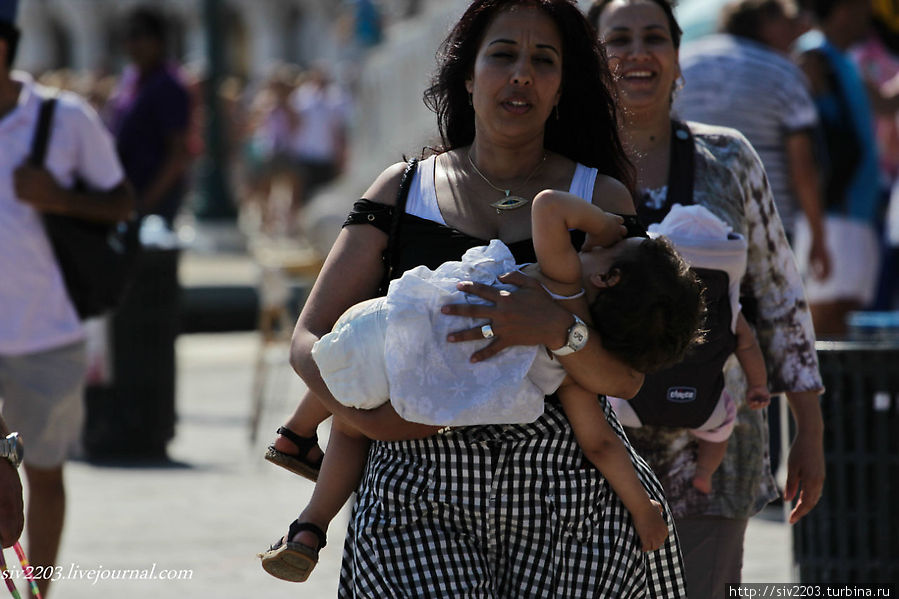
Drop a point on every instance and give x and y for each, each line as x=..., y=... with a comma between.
x=730, y=181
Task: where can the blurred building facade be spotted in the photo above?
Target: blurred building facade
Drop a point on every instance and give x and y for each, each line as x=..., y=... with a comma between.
x=83, y=34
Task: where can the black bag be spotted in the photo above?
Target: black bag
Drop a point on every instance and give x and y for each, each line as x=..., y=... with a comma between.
x=390, y=257
x=96, y=259
x=685, y=394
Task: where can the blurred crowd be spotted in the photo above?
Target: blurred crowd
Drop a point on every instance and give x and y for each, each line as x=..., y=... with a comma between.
x=285, y=135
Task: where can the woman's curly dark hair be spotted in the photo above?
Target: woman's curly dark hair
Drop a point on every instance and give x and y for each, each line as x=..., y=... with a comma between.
x=586, y=130
x=654, y=313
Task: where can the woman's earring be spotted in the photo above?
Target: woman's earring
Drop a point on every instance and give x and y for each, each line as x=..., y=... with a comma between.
x=676, y=87
x=556, y=109
x=470, y=99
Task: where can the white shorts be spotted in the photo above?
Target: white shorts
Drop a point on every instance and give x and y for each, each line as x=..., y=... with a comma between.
x=43, y=400
x=716, y=429
x=854, y=261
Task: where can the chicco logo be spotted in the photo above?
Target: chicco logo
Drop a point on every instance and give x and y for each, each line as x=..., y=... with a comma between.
x=681, y=394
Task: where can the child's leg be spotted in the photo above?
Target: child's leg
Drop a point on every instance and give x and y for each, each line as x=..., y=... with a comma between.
x=304, y=421
x=294, y=558
x=712, y=437
x=340, y=474
x=708, y=458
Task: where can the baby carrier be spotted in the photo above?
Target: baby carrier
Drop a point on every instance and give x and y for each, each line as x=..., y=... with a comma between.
x=685, y=395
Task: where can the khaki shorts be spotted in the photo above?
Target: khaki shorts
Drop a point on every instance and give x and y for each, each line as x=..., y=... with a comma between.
x=42, y=395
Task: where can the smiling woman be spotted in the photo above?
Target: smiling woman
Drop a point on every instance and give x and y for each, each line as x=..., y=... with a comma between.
x=717, y=168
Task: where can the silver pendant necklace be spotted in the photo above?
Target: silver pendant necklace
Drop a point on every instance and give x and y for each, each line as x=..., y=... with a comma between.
x=508, y=202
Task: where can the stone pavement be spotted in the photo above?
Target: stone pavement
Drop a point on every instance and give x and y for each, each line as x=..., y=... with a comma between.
x=219, y=502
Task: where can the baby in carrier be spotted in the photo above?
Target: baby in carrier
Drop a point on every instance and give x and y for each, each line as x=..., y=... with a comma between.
x=691, y=394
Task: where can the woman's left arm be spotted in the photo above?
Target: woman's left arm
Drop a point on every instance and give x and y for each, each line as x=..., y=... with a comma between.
x=784, y=330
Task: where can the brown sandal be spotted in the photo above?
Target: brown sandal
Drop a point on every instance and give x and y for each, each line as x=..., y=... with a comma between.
x=297, y=462
x=293, y=561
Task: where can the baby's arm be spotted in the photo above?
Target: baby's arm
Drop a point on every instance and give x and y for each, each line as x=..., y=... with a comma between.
x=552, y=215
x=752, y=361
x=605, y=450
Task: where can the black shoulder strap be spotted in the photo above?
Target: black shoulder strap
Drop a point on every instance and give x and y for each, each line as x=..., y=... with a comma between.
x=680, y=175
x=391, y=256
x=42, y=132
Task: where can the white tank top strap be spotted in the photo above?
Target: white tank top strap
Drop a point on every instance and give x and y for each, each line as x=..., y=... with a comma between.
x=583, y=181
x=422, y=200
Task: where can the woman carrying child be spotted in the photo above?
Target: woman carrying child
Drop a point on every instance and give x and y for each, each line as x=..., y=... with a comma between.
x=376, y=348
x=493, y=510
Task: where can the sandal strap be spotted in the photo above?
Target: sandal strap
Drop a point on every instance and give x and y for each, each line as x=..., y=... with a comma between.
x=297, y=526
x=304, y=444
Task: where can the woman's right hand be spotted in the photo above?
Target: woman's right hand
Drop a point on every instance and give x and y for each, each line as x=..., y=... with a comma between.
x=525, y=316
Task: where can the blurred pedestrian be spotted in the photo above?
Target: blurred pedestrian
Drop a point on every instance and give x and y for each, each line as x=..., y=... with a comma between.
x=268, y=154
x=319, y=144
x=744, y=78
x=877, y=58
x=151, y=117
x=42, y=353
x=151, y=120
x=852, y=191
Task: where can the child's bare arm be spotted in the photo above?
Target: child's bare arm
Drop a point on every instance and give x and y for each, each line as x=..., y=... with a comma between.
x=552, y=215
x=752, y=361
x=605, y=450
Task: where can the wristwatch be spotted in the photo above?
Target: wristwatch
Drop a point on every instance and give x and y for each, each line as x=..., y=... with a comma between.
x=12, y=449
x=577, y=338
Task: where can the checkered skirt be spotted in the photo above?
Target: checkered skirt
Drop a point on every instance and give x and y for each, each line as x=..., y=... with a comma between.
x=500, y=512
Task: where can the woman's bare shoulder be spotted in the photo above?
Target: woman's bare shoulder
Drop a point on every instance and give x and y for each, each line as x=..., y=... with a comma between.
x=386, y=185
x=611, y=194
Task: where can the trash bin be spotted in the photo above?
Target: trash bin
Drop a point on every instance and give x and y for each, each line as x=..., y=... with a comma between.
x=134, y=415
x=852, y=535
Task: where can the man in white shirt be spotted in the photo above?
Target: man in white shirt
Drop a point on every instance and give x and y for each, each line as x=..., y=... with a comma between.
x=42, y=357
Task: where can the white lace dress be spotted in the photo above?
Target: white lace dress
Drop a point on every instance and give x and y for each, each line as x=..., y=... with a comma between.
x=396, y=347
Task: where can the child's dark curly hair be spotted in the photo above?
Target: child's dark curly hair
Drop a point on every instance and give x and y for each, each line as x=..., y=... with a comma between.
x=653, y=315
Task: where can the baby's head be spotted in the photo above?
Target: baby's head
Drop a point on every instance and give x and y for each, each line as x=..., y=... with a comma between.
x=648, y=307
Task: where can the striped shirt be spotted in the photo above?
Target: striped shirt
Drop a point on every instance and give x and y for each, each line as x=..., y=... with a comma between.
x=738, y=83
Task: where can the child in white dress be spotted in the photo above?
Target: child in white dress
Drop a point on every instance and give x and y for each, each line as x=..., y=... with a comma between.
x=395, y=347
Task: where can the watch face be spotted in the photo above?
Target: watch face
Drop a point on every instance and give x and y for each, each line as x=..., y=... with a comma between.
x=577, y=337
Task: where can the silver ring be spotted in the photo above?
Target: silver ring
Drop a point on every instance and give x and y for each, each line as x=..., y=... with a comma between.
x=487, y=331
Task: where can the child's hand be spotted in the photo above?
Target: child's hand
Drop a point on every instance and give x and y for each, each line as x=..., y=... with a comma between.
x=651, y=527
x=758, y=397
x=611, y=231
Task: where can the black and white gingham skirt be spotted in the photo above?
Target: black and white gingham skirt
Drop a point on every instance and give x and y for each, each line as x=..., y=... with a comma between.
x=500, y=512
